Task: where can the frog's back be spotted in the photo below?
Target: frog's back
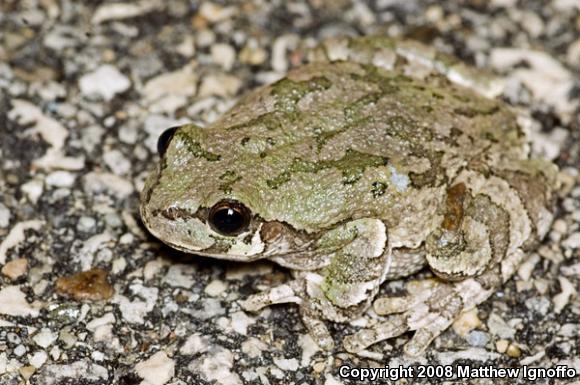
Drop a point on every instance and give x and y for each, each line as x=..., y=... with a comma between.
x=335, y=141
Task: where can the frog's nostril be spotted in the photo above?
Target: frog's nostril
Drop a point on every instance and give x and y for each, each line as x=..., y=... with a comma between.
x=229, y=217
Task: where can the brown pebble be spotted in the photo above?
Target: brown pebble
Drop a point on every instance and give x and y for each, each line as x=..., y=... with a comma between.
x=513, y=351
x=27, y=371
x=89, y=285
x=15, y=269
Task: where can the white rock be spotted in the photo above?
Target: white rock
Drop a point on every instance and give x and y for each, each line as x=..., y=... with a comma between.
x=121, y=11
x=181, y=83
x=99, y=182
x=152, y=268
x=38, y=359
x=240, y=322
x=253, y=347
x=499, y=327
x=44, y=338
x=186, y=47
x=573, y=53
x=57, y=374
x=132, y=311
x=214, y=13
x=572, y=242
x=286, y=364
x=51, y=131
x=106, y=82
x=216, y=366
x=281, y=46
x=136, y=310
x=56, y=160
x=156, y=370
x=119, y=264
x=20, y=350
x=86, y=224
x=90, y=248
x=61, y=179
x=194, y=344
x=16, y=235
x=117, y=162
x=309, y=348
x=224, y=55
x=13, y=302
x=33, y=190
x=215, y=288
x=4, y=216
x=106, y=319
x=549, y=81
x=563, y=298
x=180, y=275
x=219, y=84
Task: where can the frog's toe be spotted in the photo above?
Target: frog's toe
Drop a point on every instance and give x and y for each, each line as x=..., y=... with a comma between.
x=317, y=329
x=431, y=308
x=280, y=294
x=430, y=319
x=392, y=305
x=394, y=326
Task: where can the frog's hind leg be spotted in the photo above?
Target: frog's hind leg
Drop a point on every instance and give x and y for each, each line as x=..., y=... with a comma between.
x=430, y=308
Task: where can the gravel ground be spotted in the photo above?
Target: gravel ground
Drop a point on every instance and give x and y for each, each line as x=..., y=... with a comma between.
x=85, y=90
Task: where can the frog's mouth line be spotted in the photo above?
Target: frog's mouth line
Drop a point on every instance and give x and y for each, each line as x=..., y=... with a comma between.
x=302, y=258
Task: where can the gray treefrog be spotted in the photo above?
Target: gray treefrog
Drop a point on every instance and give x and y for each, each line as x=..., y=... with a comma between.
x=372, y=161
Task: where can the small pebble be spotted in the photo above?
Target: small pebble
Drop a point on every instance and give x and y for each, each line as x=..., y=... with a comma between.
x=86, y=224
x=87, y=285
x=4, y=216
x=60, y=179
x=106, y=82
x=513, y=351
x=477, y=338
x=215, y=288
x=224, y=55
x=501, y=345
x=15, y=268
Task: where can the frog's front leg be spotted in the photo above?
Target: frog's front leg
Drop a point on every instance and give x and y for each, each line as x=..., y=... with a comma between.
x=341, y=290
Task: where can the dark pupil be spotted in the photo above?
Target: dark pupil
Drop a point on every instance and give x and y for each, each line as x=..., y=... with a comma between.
x=228, y=221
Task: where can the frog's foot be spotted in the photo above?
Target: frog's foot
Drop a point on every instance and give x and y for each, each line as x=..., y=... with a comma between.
x=290, y=293
x=431, y=307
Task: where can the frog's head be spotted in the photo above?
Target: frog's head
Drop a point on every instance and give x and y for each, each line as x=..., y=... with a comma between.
x=197, y=202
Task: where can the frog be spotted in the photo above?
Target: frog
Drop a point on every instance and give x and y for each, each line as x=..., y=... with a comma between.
x=372, y=160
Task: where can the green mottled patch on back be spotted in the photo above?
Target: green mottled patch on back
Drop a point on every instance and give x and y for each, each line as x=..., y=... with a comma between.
x=289, y=92
x=352, y=165
x=194, y=147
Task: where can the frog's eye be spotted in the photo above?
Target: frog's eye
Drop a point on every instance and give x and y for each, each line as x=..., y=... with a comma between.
x=165, y=139
x=229, y=217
